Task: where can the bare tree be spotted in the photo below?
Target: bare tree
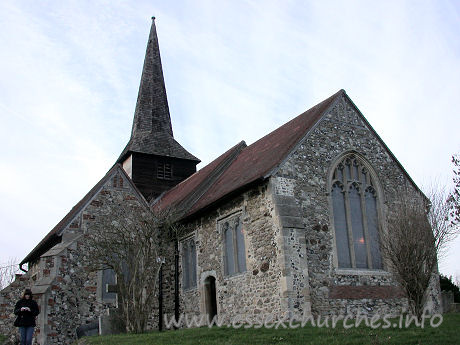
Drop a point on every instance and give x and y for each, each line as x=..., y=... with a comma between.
x=417, y=235
x=441, y=220
x=455, y=195
x=131, y=240
x=8, y=272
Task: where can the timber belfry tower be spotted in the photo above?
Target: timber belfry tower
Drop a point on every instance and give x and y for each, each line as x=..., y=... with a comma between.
x=288, y=225
x=72, y=299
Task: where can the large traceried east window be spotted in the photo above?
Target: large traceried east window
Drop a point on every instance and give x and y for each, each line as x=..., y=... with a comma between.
x=355, y=212
x=234, y=248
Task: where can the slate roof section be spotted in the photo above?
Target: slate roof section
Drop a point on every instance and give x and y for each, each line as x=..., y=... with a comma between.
x=152, y=130
x=53, y=237
x=253, y=162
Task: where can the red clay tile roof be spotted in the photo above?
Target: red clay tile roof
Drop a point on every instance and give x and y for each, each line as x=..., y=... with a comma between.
x=254, y=162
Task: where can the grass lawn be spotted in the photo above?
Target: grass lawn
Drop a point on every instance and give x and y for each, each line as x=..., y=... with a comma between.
x=447, y=333
x=2, y=338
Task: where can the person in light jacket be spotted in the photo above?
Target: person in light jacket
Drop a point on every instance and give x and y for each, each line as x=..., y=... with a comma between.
x=26, y=309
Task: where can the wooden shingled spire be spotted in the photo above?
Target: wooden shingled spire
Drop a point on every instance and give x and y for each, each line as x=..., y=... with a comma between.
x=152, y=131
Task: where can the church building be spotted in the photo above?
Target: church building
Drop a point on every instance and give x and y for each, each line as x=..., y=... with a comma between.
x=289, y=225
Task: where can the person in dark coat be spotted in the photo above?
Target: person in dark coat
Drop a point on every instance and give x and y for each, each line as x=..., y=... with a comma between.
x=26, y=309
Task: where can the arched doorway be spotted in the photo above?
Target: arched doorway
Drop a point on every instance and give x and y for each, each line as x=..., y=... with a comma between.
x=210, y=297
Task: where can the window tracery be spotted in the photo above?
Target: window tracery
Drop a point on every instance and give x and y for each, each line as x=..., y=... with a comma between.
x=355, y=213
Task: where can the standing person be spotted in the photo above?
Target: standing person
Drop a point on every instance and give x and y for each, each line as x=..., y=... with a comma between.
x=26, y=309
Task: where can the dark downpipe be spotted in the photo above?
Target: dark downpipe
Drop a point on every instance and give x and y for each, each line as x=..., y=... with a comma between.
x=176, y=281
x=160, y=299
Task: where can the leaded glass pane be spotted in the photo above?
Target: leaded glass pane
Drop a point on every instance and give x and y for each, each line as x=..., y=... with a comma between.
x=355, y=244
x=240, y=246
x=189, y=264
x=348, y=169
x=193, y=261
x=372, y=228
x=185, y=268
x=108, y=278
x=229, y=253
x=363, y=177
x=340, y=174
x=359, y=242
x=340, y=225
x=355, y=171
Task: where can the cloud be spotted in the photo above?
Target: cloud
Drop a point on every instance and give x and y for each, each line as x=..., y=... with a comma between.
x=234, y=71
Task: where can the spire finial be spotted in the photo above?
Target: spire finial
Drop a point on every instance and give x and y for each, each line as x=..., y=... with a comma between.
x=152, y=112
x=152, y=130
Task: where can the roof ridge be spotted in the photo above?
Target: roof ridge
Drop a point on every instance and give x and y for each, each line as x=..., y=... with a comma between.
x=56, y=231
x=335, y=98
x=311, y=109
x=69, y=215
x=382, y=143
x=264, y=154
x=197, y=192
x=213, y=176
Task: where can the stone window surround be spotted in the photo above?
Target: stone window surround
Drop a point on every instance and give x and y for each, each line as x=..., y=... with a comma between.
x=360, y=272
x=183, y=239
x=219, y=221
x=380, y=215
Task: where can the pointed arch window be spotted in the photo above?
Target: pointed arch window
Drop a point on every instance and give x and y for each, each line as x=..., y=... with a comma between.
x=189, y=264
x=355, y=213
x=234, y=248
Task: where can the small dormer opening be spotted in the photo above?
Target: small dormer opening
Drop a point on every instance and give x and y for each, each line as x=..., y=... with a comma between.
x=164, y=171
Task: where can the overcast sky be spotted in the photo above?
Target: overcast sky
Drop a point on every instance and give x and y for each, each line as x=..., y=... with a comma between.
x=234, y=70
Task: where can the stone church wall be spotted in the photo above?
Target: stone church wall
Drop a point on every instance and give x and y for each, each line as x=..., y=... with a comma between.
x=68, y=293
x=256, y=292
x=288, y=237
x=301, y=183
